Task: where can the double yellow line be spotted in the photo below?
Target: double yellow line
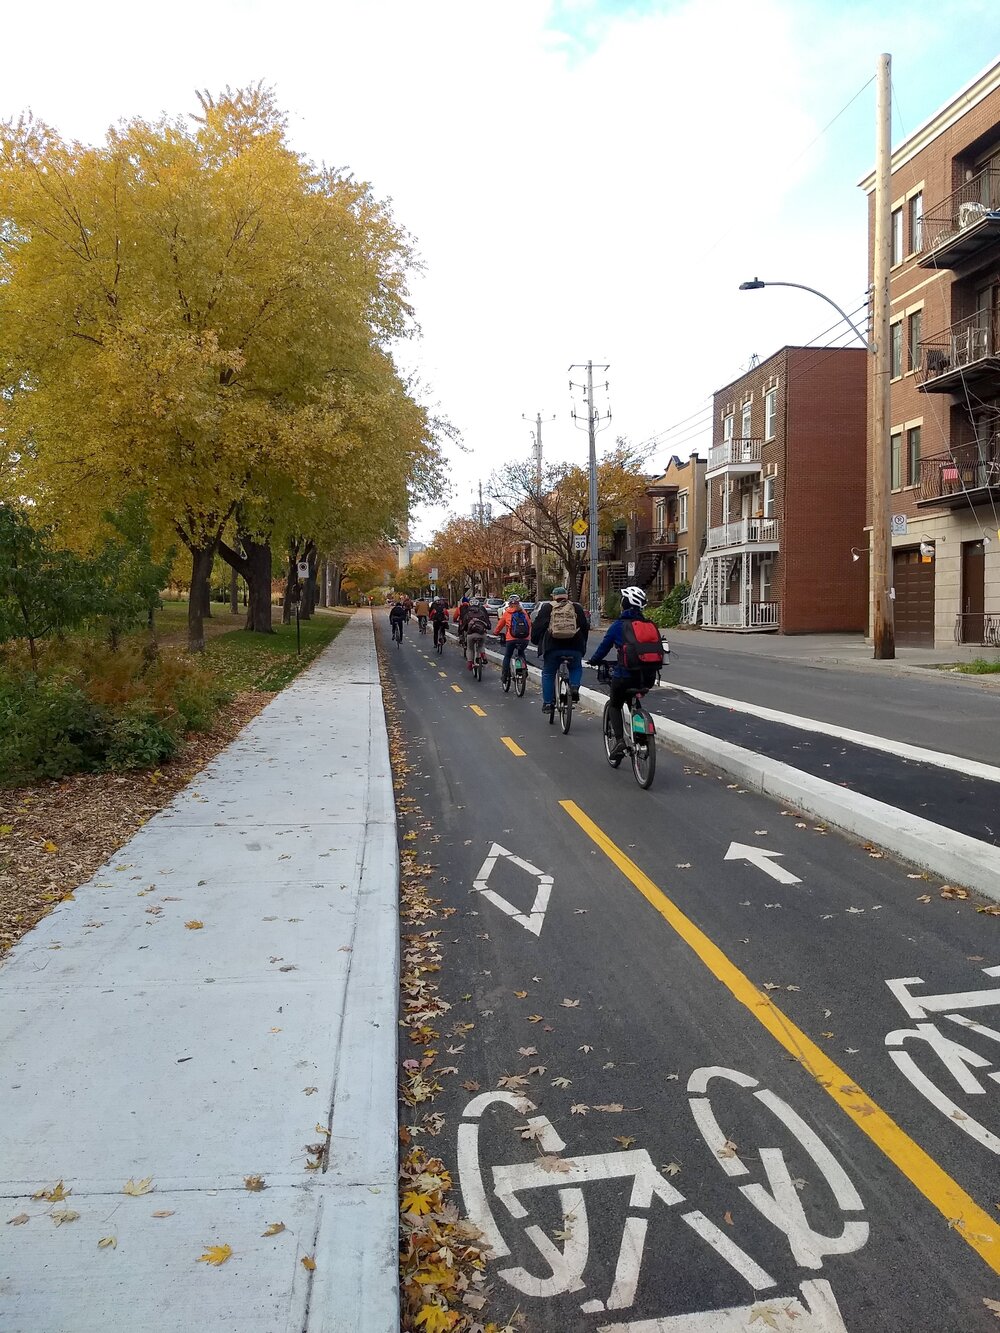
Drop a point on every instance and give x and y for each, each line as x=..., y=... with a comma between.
x=976, y=1227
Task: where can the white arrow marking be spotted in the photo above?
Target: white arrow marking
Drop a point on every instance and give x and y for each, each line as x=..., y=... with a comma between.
x=761, y=858
x=532, y=921
x=818, y=1312
x=920, y=1006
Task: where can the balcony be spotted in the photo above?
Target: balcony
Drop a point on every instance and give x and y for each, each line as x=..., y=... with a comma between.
x=968, y=474
x=657, y=539
x=738, y=458
x=962, y=357
x=962, y=226
x=733, y=615
x=758, y=533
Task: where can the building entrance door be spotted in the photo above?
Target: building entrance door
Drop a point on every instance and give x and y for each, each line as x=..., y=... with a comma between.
x=914, y=606
x=973, y=620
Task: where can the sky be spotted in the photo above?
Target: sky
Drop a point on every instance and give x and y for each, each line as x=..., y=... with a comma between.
x=583, y=179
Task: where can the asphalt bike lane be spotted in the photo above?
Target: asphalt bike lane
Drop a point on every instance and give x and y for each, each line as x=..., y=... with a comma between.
x=693, y=1149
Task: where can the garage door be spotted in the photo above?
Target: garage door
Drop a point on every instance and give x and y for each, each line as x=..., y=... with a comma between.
x=914, y=608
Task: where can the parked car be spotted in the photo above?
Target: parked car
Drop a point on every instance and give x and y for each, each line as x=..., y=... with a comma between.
x=495, y=605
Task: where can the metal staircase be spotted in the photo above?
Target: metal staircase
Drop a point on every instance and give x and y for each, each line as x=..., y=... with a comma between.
x=692, y=605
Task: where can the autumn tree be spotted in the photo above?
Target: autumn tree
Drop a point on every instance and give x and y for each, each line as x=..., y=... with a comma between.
x=180, y=308
x=544, y=513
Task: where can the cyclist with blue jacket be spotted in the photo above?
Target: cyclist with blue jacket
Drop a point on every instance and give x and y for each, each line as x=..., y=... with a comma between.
x=623, y=677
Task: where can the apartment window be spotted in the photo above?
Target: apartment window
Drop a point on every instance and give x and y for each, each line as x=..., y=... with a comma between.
x=682, y=566
x=769, y=487
x=770, y=413
x=745, y=422
x=897, y=235
x=682, y=512
x=915, y=208
x=727, y=427
x=896, y=349
x=766, y=580
x=914, y=323
x=660, y=515
x=896, y=459
x=913, y=456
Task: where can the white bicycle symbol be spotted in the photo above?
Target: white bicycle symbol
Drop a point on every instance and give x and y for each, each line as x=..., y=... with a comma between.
x=778, y=1202
x=959, y=1060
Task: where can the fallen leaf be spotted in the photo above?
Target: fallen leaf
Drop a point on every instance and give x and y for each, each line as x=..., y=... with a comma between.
x=624, y=1140
x=586, y=1049
x=581, y=1108
x=164, y=1212
x=771, y=985
x=561, y=1082
x=49, y=846
x=671, y=1169
x=198, y=925
x=19, y=1220
x=993, y=910
x=108, y=1243
x=570, y=1004
x=537, y=1069
x=924, y=898
x=414, y=1202
x=470, y=1085
x=992, y=1305
x=308, y=1263
x=527, y=1050
x=309, y=1091
x=254, y=1184
x=727, y=1217
x=53, y=1194
x=137, y=1187
x=767, y=1315
x=580, y=911
x=274, y=1229
x=953, y=891
x=535, y=1018
x=553, y=1163
x=216, y=1255
x=612, y=1107
x=513, y=1081
x=728, y=1149
x=62, y=1215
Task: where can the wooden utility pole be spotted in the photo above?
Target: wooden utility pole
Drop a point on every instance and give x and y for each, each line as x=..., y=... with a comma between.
x=883, y=630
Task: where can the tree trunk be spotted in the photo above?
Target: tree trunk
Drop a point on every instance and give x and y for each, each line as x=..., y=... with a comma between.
x=204, y=593
x=201, y=570
x=336, y=575
x=234, y=592
x=290, y=581
x=258, y=578
x=324, y=584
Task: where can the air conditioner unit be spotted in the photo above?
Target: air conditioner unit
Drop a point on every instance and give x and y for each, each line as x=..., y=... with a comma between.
x=970, y=212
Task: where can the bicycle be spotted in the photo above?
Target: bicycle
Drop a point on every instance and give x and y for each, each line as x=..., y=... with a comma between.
x=422, y=622
x=397, y=633
x=516, y=672
x=440, y=634
x=564, y=699
x=639, y=738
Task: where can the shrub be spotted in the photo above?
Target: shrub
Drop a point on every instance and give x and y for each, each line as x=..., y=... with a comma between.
x=48, y=728
x=668, y=613
x=140, y=739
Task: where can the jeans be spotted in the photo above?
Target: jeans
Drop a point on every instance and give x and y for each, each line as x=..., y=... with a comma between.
x=550, y=665
x=474, y=645
x=511, y=647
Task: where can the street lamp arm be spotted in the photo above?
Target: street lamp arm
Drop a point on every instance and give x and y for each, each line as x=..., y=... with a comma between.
x=757, y=283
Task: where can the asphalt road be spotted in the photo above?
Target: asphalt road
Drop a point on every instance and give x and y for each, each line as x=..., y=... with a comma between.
x=720, y=1137
x=954, y=714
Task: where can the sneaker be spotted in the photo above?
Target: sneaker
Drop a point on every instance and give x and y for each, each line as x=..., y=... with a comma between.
x=548, y=708
x=468, y=666
x=618, y=752
x=575, y=695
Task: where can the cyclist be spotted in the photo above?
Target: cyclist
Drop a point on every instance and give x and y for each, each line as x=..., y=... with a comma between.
x=477, y=626
x=560, y=633
x=461, y=618
x=396, y=618
x=516, y=622
x=421, y=610
x=633, y=645
x=439, y=619
x=407, y=605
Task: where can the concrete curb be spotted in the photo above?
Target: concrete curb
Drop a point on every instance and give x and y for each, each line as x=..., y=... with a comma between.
x=956, y=857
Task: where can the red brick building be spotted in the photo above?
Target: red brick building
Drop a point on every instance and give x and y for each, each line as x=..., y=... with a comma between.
x=786, y=485
x=944, y=289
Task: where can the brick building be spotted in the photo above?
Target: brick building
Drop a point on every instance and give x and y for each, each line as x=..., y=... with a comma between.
x=786, y=487
x=944, y=289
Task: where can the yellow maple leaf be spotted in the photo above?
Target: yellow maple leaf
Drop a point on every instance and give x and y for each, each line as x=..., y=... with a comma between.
x=53, y=1194
x=435, y=1320
x=437, y=1275
x=415, y=1203
x=215, y=1255
x=254, y=1183
x=194, y=925
x=49, y=846
x=308, y=1263
x=274, y=1229
x=108, y=1243
x=138, y=1187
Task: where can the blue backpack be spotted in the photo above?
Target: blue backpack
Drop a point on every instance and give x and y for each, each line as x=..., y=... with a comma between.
x=518, y=625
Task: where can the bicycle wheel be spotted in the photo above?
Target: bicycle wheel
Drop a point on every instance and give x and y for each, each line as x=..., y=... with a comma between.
x=644, y=758
x=565, y=707
x=505, y=680
x=520, y=680
x=610, y=739
x=477, y=669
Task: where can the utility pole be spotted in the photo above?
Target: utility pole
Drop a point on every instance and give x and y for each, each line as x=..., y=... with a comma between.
x=881, y=568
x=594, y=418
x=536, y=550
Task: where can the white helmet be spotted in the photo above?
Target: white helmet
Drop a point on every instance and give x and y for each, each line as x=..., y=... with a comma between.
x=633, y=597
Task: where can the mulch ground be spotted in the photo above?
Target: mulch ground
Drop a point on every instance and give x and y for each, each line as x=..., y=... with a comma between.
x=54, y=836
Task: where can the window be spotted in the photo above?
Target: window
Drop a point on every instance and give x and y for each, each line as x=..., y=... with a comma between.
x=896, y=459
x=745, y=422
x=769, y=486
x=913, y=456
x=770, y=413
x=914, y=323
x=727, y=428
x=766, y=580
x=897, y=235
x=896, y=349
x=915, y=208
x=682, y=566
x=660, y=515
x=682, y=512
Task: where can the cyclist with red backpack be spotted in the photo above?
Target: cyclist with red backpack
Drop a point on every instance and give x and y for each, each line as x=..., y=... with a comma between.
x=516, y=624
x=640, y=657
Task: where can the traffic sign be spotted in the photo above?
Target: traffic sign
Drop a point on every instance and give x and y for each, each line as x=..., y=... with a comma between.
x=580, y=542
x=580, y=526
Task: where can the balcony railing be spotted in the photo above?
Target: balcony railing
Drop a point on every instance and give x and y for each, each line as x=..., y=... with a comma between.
x=655, y=539
x=961, y=224
x=967, y=473
x=734, y=453
x=965, y=352
x=746, y=532
x=978, y=627
x=732, y=615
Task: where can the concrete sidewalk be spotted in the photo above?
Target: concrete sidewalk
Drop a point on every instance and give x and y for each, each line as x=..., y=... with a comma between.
x=261, y=1043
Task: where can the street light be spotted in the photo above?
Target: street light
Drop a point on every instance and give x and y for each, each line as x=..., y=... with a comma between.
x=883, y=637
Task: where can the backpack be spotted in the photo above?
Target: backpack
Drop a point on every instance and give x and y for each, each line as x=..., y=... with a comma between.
x=562, y=621
x=642, y=646
x=478, y=621
x=518, y=625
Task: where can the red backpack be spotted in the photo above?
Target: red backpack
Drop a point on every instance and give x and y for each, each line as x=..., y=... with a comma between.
x=642, y=646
